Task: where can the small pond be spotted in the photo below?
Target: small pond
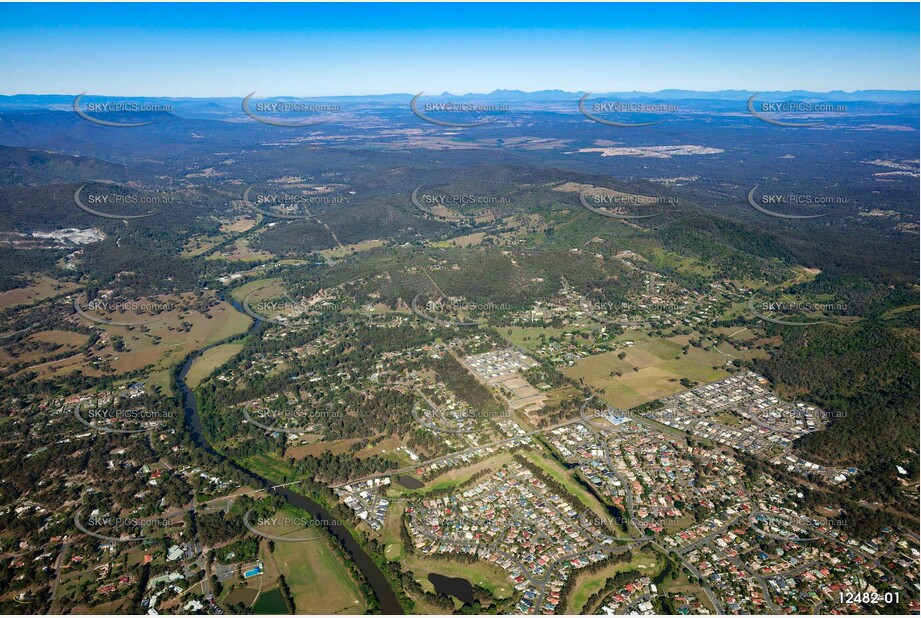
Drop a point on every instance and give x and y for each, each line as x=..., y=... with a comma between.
x=454, y=586
x=410, y=482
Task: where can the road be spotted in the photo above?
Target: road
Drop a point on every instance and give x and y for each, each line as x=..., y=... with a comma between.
x=690, y=567
x=603, y=442
x=58, y=563
x=626, y=608
x=466, y=451
x=542, y=581
x=706, y=539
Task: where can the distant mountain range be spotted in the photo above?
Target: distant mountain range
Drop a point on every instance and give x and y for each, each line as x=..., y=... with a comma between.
x=23, y=102
x=893, y=96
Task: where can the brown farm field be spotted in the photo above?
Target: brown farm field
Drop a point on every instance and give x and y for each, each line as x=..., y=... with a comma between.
x=210, y=360
x=40, y=289
x=240, y=251
x=650, y=370
x=159, y=344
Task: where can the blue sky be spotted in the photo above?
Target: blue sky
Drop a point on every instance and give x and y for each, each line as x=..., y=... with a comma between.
x=346, y=49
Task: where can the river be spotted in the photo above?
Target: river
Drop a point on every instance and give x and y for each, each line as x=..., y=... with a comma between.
x=374, y=576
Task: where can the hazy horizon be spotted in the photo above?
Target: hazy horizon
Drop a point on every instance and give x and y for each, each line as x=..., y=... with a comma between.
x=741, y=92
